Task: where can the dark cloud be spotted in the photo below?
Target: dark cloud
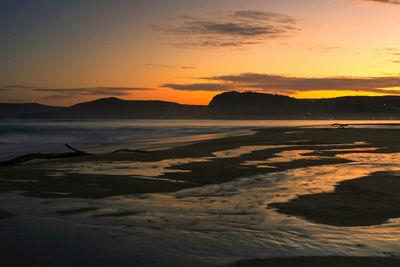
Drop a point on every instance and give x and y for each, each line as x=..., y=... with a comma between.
x=101, y=91
x=11, y=91
x=289, y=85
x=277, y=82
x=200, y=87
x=230, y=29
x=389, y=2
x=238, y=29
x=77, y=91
x=263, y=16
x=166, y=66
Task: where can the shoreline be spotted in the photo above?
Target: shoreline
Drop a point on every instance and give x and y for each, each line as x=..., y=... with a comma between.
x=22, y=137
x=166, y=143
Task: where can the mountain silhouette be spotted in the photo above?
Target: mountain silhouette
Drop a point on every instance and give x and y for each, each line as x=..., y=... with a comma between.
x=15, y=111
x=228, y=105
x=250, y=105
x=115, y=108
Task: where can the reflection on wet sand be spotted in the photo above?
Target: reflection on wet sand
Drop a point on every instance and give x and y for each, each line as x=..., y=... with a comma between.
x=237, y=152
x=292, y=155
x=159, y=168
x=217, y=224
x=142, y=169
x=151, y=169
x=374, y=158
x=366, y=201
x=238, y=209
x=353, y=149
x=236, y=214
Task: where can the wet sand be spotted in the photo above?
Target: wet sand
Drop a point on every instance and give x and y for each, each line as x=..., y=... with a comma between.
x=5, y=214
x=366, y=201
x=216, y=162
x=183, y=166
x=321, y=261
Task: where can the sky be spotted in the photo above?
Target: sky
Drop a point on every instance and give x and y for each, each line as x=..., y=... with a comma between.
x=61, y=52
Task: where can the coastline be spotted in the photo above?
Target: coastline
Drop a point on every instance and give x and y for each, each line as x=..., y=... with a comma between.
x=167, y=142
x=20, y=137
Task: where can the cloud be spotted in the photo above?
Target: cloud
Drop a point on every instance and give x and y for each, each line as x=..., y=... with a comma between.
x=288, y=84
x=238, y=29
x=77, y=91
x=388, y=49
x=323, y=48
x=262, y=15
x=61, y=95
x=218, y=87
x=387, y=2
x=166, y=66
x=393, y=52
x=99, y=91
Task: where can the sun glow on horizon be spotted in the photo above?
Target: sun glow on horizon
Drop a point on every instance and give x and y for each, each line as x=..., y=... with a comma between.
x=193, y=43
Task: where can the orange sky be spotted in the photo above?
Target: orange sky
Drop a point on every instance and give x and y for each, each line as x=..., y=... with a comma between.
x=63, y=53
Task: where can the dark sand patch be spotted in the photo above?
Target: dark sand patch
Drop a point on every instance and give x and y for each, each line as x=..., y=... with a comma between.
x=76, y=211
x=321, y=261
x=370, y=200
x=5, y=214
x=73, y=185
x=225, y=170
x=121, y=213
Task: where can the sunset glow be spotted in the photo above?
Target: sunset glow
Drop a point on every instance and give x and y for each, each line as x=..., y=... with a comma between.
x=65, y=52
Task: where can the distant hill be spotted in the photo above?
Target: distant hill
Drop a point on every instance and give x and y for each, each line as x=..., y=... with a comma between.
x=115, y=108
x=228, y=105
x=250, y=105
x=14, y=111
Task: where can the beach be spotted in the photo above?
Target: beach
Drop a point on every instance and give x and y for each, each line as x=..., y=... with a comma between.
x=274, y=192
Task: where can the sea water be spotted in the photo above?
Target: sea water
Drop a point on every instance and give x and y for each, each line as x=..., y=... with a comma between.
x=18, y=137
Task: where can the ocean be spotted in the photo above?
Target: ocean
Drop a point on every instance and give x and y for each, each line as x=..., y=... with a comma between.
x=18, y=137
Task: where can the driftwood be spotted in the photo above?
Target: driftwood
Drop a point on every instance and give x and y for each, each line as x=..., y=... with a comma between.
x=75, y=153
x=76, y=150
x=33, y=156
x=129, y=150
x=113, y=152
